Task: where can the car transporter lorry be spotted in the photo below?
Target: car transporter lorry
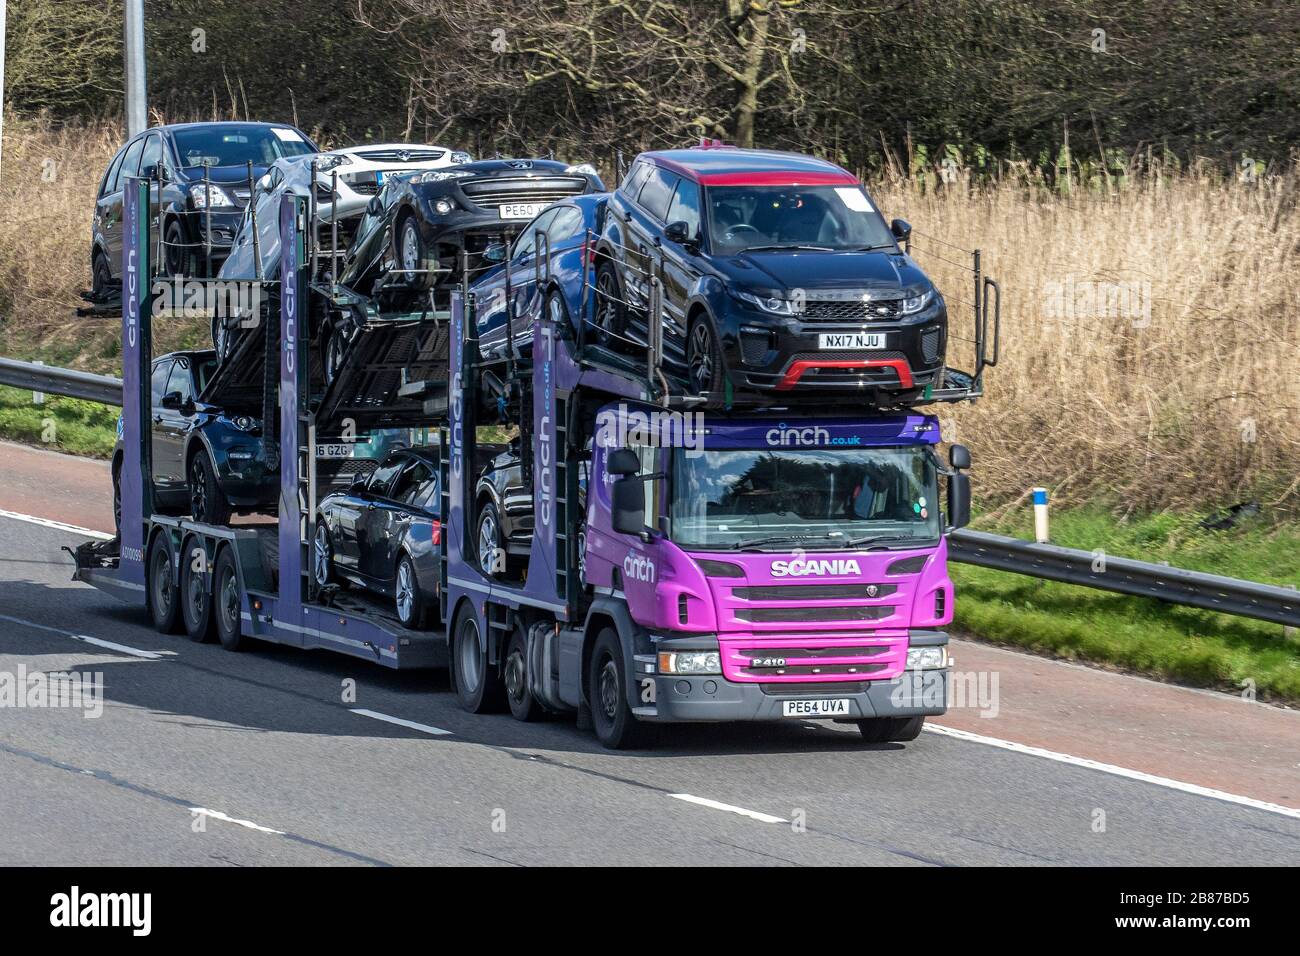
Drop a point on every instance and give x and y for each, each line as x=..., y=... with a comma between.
x=747, y=563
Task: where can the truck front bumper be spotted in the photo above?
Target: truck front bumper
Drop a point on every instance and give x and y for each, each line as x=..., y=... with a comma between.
x=714, y=698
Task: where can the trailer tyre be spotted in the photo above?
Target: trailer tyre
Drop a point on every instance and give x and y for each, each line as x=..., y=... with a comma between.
x=196, y=602
x=227, y=603
x=478, y=685
x=523, y=705
x=164, y=594
x=611, y=715
x=879, y=730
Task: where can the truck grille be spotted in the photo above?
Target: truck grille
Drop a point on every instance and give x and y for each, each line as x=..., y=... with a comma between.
x=783, y=615
x=500, y=190
x=401, y=155
x=795, y=657
x=851, y=310
x=812, y=592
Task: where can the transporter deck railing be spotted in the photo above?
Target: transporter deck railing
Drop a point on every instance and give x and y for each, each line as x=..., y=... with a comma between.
x=1105, y=572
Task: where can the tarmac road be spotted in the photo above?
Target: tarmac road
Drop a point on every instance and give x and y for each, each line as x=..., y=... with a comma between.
x=205, y=757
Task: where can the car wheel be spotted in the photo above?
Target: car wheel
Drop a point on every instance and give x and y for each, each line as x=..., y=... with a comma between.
x=581, y=545
x=523, y=705
x=196, y=602
x=558, y=312
x=178, y=257
x=611, y=310
x=164, y=603
x=336, y=346
x=879, y=730
x=101, y=277
x=412, y=260
x=208, y=503
x=615, y=725
x=224, y=338
x=491, y=548
x=117, y=496
x=322, y=556
x=412, y=610
x=478, y=685
x=704, y=359
x=227, y=603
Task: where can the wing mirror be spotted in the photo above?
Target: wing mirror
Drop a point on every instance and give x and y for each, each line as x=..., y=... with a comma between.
x=958, y=488
x=172, y=401
x=495, y=252
x=902, y=230
x=680, y=233
x=374, y=206
x=623, y=462
x=264, y=184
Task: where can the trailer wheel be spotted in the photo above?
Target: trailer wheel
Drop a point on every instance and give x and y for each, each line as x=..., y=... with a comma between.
x=611, y=715
x=412, y=609
x=164, y=595
x=227, y=603
x=523, y=705
x=196, y=602
x=879, y=730
x=478, y=686
x=208, y=502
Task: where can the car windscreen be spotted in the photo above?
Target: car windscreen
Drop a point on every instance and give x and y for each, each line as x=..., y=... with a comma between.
x=834, y=217
x=809, y=498
x=238, y=145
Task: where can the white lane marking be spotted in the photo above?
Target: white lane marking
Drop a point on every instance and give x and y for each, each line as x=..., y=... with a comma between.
x=1117, y=771
x=97, y=641
x=412, y=725
x=218, y=815
x=57, y=525
x=715, y=805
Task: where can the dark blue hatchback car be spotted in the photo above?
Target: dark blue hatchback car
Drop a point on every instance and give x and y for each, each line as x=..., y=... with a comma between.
x=780, y=278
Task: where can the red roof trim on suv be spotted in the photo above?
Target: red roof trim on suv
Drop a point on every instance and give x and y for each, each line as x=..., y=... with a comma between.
x=778, y=178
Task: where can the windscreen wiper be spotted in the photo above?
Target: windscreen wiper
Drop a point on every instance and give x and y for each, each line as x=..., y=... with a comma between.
x=788, y=246
x=777, y=539
x=875, y=539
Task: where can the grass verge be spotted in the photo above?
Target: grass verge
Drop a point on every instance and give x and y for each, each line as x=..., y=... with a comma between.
x=1169, y=642
x=62, y=424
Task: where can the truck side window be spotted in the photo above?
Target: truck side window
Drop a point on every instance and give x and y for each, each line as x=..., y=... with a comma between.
x=649, y=466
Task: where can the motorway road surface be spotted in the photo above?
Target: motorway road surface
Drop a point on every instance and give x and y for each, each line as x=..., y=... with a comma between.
x=205, y=757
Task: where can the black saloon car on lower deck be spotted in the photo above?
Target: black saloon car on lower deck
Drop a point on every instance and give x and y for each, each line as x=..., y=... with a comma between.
x=419, y=224
x=190, y=208
x=780, y=277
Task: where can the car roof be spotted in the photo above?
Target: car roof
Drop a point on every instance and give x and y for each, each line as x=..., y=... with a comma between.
x=200, y=355
x=169, y=127
x=732, y=166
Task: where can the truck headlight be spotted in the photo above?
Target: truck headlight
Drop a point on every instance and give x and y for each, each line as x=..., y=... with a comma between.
x=690, y=662
x=200, y=196
x=926, y=658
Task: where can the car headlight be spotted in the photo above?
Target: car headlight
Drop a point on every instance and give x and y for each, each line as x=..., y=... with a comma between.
x=200, y=195
x=690, y=662
x=244, y=423
x=460, y=157
x=442, y=175
x=917, y=302
x=926, y=658
x=772, y=304
x=583, y=169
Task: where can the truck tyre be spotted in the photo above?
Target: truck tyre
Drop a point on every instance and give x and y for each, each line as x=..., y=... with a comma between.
x=478, y=686
x=227, y=602
x=196, y=602
x=164, y=595
x=523, y=705
x=208, y=502
x=611, y=715
x=412, y=608
x=879, y=730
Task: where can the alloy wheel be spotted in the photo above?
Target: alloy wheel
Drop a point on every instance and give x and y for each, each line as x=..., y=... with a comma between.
x=405, y=592
x=487, y=542
x=701, y=358
x=321, y=555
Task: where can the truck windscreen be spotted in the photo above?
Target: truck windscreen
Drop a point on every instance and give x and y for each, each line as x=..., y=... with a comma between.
x=817, y=499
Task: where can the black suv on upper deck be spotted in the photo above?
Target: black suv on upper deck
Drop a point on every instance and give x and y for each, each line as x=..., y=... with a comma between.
x=779, y=276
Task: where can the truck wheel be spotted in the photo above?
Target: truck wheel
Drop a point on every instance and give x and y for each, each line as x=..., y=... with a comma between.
x=879, y=730
x=478, y=686
x=227, y=603
x=523, y=705
x=208, y=503
x=412, y=609
x=491, y=549
x=611, y=309
x=612, y=717
x=196, y=603
x=164, y=595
